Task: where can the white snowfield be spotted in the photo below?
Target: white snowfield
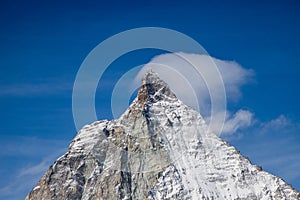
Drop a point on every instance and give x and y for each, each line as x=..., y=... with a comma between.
x=158, y=149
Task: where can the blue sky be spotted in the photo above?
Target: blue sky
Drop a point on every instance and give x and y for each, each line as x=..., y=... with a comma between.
x=44, y=43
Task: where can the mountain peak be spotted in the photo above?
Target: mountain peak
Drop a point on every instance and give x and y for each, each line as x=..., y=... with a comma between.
x=161, y=152
x=154, y=89
x=151, y=77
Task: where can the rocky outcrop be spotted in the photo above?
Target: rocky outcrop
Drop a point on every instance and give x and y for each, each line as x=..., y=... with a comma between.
x=158, y=149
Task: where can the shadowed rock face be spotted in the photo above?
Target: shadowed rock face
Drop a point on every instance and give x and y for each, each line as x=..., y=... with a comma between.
x=153, y=89
x=158, y=149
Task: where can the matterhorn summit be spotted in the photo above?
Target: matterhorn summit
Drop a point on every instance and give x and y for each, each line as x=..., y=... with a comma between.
x=159, y=148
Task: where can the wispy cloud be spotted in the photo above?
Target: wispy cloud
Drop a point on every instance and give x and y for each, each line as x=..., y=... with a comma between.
x=24, y=180
x=39, y=155
x=39, y=168
x=187, y=83
x=280, y=124
x=28, y=146
x=34, y=89
x=273, y=144
x=234, y=76
x=241, y=119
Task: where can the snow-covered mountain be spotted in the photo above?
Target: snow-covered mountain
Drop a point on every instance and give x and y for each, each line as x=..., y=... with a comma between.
x=158, y=149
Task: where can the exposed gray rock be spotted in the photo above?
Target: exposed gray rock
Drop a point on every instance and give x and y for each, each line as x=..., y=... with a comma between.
x=158, y=149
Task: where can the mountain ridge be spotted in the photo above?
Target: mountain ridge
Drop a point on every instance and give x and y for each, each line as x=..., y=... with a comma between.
x=158, y=149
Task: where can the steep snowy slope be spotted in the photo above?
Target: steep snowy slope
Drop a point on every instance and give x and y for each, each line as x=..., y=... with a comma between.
x=158, y=149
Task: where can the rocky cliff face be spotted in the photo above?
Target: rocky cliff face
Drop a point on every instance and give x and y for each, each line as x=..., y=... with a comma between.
x=158, y=149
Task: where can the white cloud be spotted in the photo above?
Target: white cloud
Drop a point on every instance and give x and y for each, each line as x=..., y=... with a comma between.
x=187, y=83
x=30, y=89
x=38, y=168
x=241, y=119
x=279, y=124
x=234, y=76
x=190, y=87
x=39, y=155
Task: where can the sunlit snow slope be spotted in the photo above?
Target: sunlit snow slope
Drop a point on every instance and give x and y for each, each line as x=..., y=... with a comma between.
x=158, y=149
